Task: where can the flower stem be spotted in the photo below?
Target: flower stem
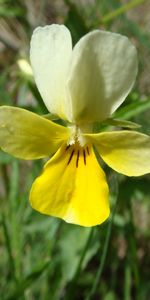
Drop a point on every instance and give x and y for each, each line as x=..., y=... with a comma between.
x=117, y=12
x=12, y=269
x=104, y=254
x=132, y=253
x=72, y=287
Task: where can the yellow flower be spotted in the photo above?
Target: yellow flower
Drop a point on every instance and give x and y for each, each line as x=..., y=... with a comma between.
x=81, y=86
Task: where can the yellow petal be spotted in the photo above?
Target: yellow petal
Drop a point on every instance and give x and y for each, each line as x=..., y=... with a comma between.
x=127, y=152
x=72, y=187
x=28, y=136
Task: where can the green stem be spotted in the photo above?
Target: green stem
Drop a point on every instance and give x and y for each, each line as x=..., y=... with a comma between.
x=127, y=284
x=103, y=258
x=112, y=15
x=133, y=251
x=5, y=178
x=71, y=289
x=9, y=248
x=83, y=253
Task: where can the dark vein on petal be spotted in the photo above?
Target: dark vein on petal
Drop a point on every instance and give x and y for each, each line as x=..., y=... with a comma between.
x=67, y=147
x=77, y=161
x=70, y=158
x=84, y=155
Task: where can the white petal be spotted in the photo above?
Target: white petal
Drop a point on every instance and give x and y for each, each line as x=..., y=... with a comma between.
x=51, y=49
x=103, y=71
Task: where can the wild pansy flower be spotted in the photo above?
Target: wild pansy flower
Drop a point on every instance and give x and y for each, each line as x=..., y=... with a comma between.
x=80, y=86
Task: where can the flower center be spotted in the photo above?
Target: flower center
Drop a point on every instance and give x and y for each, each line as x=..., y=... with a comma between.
x=77, y=154
x=77, y=134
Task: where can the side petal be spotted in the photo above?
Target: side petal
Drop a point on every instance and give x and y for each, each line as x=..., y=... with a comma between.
x=50, y=52
x=72, y=187
x=103, y=71
x=28, y=136
x=127, y=152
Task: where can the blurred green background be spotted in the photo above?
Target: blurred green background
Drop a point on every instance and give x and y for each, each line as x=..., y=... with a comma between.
x=43, y=257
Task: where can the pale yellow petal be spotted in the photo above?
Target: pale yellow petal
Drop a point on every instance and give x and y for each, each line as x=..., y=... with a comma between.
x=102, y=72
x=127, y=152
x=72, y=187
x=28, y=136
x=51, y=49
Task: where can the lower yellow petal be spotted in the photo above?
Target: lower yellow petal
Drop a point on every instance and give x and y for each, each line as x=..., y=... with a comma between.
x=73, y=187
x=28, y=136
x=127, y=152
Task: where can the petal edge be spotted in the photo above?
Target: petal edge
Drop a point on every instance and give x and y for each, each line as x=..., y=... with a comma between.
x=127, y=152
x=79, y=195
x=26, y=135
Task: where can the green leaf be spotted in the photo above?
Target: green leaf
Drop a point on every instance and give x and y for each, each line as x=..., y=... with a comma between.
x=28, y=281
x=122, y=123
x=121, y=10
x=37, y=97
x=5, y=158
x=75, y=22
x=72, y=243
x=50, y=117
x=132, y=110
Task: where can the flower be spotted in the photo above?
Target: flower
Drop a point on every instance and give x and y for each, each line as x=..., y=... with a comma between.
x=81, y=86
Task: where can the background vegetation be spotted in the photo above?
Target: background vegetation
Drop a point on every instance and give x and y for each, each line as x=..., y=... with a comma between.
x=45, y=258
